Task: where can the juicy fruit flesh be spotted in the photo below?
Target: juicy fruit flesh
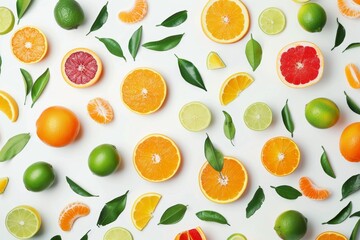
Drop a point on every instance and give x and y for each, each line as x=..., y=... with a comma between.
x=23, y=222
x=272, y=21
x=9, y=106
x=291, y=225
x=136, y=14
x=7, y=20
x=195, y=116
x=71, y=213
x=3, y=184
x=100, y=110
x=81, y=67
x=258, y=116
x=330, y=235
x=191, y=234
x=118, y=233
x=353, y=75
x=236, y=236
x=233, y=86
x=309, y=190
x=143, y=209
x=349, y=8
x=214, y=61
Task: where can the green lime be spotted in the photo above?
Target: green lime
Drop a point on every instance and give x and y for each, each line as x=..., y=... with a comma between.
x=258, y=116
x=68, y=14
x=312, y=17
x=7, y=20
x=291, y=225
x=23, y=222
x=322, y=113
x=38, y=176
x=118, y=233
x=272, y=21
x=104, y=160
x=195, y=116
x=236, y=236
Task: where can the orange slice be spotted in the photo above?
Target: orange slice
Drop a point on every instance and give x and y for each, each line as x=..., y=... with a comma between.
x=143, y=90
x=156, y=158
x=100, y=110
x=191, y=234
x=72, y=212
x=9, y=106
x=280, y=156
x=330, y=235
x=136, y=14
x=352, y=75
x=225, y=21
x=233, y=86
x=349, y=8
x=143, y=208
x=29, y=45
x=225, y=187
x=309, y=190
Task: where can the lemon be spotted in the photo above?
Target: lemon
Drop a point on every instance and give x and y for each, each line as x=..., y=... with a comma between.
x=3, y=184
x=195, y=116
x=291, y=225
x=7, y=20
x=118, y=233
x=312, y=17
x=272, y=21
x=68, y=14
x=236, y=236
x=214, y=61
x=322, y=113
x=23, y=222
x=258, y=116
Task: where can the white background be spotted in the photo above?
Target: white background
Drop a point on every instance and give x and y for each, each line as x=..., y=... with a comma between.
x=128, y=128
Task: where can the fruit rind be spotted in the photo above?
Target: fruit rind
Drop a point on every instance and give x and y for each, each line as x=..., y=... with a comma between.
x=199, y=104
x=13, y=106
x=33, y=212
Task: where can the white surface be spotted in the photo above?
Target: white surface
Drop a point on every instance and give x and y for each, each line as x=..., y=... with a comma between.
x=128, y=127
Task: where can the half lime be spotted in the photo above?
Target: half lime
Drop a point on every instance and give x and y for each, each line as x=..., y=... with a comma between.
x=258, y=116
x=272, y=21
x=237, y=236
x=23, y=222
x=7, y=20
x=195, y=116
x=118, y=233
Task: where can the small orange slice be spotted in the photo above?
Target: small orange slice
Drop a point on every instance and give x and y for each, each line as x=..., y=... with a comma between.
x=143, y=208
x=9, y=106
x=352, y=75
x=136, y=14
x=29, y=45
x=156, y=158
x=143, y=90
x=233, y=86
x=349, y=8
x=309, y=190
x=330, y=235
x=100, y=110
x=280, y=156
x=72, y=212
x=227, y=187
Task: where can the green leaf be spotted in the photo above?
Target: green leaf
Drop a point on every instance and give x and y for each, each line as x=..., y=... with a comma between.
x=340, y=34
x=14, y=146
x=174, y=20
x=212, y=216
x=39, y=86
x=213, y=156
x=100, y=19
x=57, y=237
x=253, y=53
x=229, y=127
x=287, y=119
x=287, y=192
x=255, y=203
x=113, y=47
x=352, y=45
x=112, y=210
x=355, y=214
x=352, y=104
x=164, y=44
x=325, y=164
x=21, y=7
x=134, y=42
x=85, y=237
x=190, y=73
x=79, y=190
x=173, y=214
x=350, y=186
x=355, y=231
x=341, y=216
x=28, y=82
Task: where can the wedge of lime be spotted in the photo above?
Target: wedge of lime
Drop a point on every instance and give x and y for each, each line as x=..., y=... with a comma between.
x=118, y=233
x=237, y=236
x=7, y=20
x=258, y=116
x=195, y=116
x=272, y=21
x=23, y=222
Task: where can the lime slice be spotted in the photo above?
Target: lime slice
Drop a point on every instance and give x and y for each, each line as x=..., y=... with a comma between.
x=237, y=236
x=7, y=20
x=118, y=233
x=214, y=61
x=258, y=116
x=301, y=1
x=272, y=21
x=195, y=116
x=23, y=222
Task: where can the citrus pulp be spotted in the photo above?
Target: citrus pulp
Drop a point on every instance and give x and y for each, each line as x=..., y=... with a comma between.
x=7, y=20
x=272, y=21
x=195, y=116
x=258, y=116
x=23, y=222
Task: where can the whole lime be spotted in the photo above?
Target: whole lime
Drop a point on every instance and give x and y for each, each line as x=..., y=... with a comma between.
x=312, y=17
x=322, y=113
x=38, y=176
x=291, y=225
x=68, y=14
x=104, y=160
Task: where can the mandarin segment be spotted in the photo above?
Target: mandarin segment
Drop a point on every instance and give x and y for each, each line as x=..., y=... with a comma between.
x=136, y=14
x=349, y=8
x=71, y=213
x=233, y=86
x=100, y=110
x=311, y=191
x=352, y=74
x=9, y=106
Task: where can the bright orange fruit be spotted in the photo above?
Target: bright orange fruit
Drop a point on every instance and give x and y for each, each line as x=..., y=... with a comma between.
x=100, y=110
x=72, y=212
x=352, y=75
x=309, y=190
x=350, y=142
x=330, y=235
x=136, y=14
x=233, y=86
x=349, y=8
x=9, y=106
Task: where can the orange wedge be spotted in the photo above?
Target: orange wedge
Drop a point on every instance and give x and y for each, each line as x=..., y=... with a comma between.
x=9, y=106
x=71, y=213
x=330, y=235
x=352, y=75
x=143, y=208
x=349, y=8
x=136, y=14
x=100, y=110
x=309, y=190
x=233, y=86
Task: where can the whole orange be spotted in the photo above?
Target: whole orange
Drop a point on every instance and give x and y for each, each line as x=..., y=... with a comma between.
x=57, y=126
x=350, y=142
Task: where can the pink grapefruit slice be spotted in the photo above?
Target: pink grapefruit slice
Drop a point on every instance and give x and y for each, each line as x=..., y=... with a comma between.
x=192, y=234
x=81, y=68
x=300, y=64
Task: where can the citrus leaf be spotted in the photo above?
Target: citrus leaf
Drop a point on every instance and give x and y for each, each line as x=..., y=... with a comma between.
x=113, y=47
x=355, y=214
x=28, y=82
x=213, y=156
x=164, y=44
x=255, y=203
x=352, y=45
x=57, y=237
x=39, y=86
x=325, y=164
x=85, y=237
x=21, y=7
x=212, y=216
x=14, y=146
x=229, y=127
x=173, y=214
x=350, y=186
x=340, y=34
x=100, y=19
x=111, y=211
x=352, y=104
x=134, y=42
x=79, y=190
x=341, y=216
x=253, y=53
x=287, y=119
x=190, y=73
x=287, y=192
x=174, y=20
x=355, y=231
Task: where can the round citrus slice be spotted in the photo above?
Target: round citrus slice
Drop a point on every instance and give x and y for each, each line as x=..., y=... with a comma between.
x=156, y=158
x=225, y=187
x=352, y=75
x=330, y=235
x=214, y=61
x=233, y=86
x=195, y=116
x=23, y=222
x=191, y=234
x=143, y=90
x=136, y=14
x=9, y=106
x=280, y=156
x=225, y=21
x=309, y=190
x=81, y=68
x=349, y=8
x=118, y=233
x=258, y=116
x=7, y=20
x=100, y=110
x=71, y=213
x=272, y=21
x=236, y=236
x=3, y=184
x=143, y=208
x=300, y=64
x=29, y=45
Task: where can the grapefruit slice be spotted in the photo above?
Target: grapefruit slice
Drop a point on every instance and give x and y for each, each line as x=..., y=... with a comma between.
x=192, y=234
x=300, y=64
x=81, y=68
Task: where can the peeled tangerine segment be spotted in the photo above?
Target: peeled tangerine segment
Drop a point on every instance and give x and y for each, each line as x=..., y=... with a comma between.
x=352, y=75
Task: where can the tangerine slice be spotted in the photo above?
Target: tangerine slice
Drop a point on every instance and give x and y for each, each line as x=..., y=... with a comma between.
x=311, y=191
x=9, y=106
x=136, y=14
x=349, y=8
x=100, y=110
x=330, y=235
x=71, y=213
x=233, y=86
x=352, y=75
